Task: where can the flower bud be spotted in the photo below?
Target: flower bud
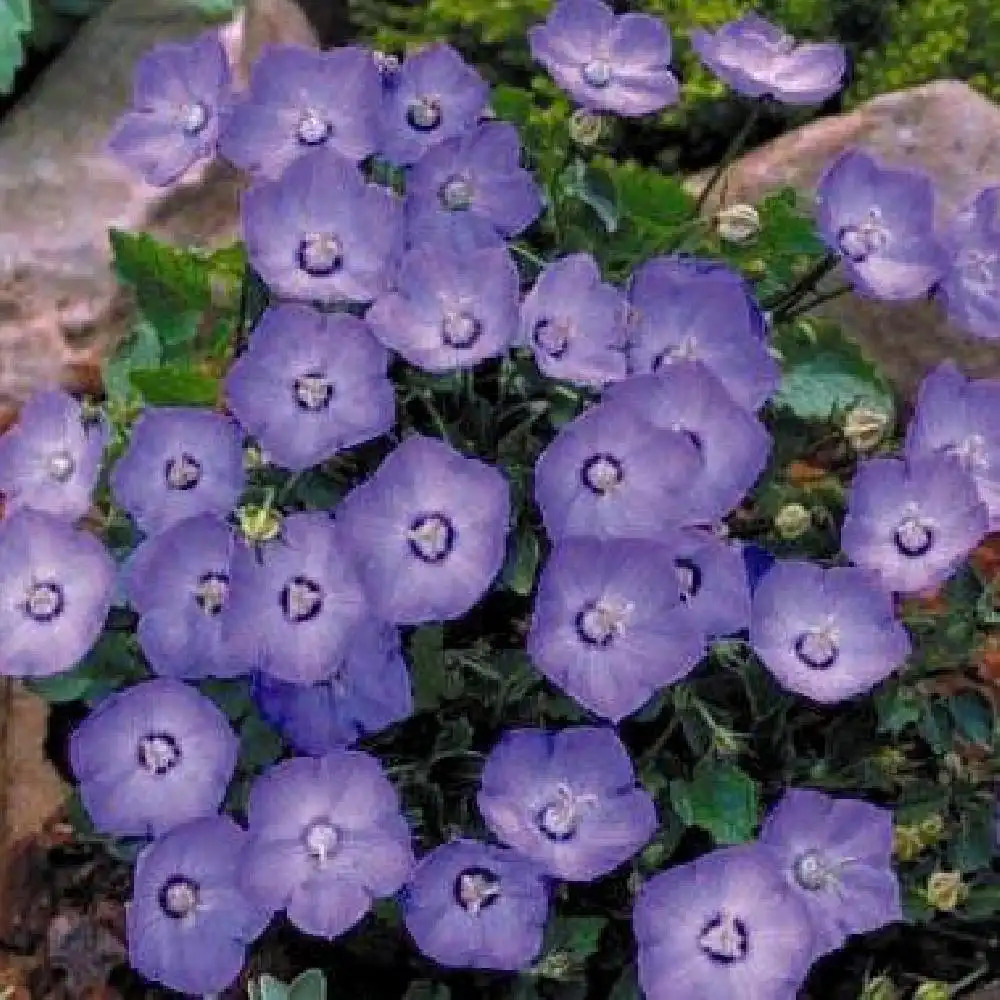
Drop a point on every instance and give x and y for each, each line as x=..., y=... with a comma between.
x=864, y=427
x=756, y=268
x=738, y=223
x=932, y=989
x=945, y=890
x=254, y=457
x=585, y=128
x=792, y=521
x=906, y=845
x=879, y=988
x=930, y=829
x=258, y=524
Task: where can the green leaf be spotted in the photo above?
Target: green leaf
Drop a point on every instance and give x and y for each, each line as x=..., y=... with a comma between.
x=522, y=563
x=512, y=104
x=972, y=847
x=72, y=685
x=74, y=8
x=12, y=27
x=110, y=664
x=720, y=798
x=896, y=710
x=260, y=745
x=215, y=8
x=626, y=986
x=175, y=385
x=824, y=373
x=569, y=942
x=428, y=668
x=595, y=188
x=983, y=901
x=268, y=988
x=310, y=985
x=973, y=715
x=141, y=350
x=232, y=696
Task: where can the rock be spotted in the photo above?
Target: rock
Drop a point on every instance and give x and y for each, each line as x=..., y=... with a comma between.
x=944, y=128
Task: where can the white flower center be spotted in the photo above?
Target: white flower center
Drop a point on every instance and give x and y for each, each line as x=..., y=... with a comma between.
x=158, y=753
x=602, y=474
x=313, y=391
x=561, y=816
x=724, y=938
x=812, y=872
x=476, y=889
x=424, y=113
x=320, y=254
x=818, y=648
x=598, y=623
x=597, y=73
x=60, y=466
x=194, y=117
x=179, y=898
x=312, y=129
x=431, y=538
x=301, y=599
x=43, y=602
x=322, y=841
x=210, y=592
x=456, y=193
x=914, y=535
x=460, y=329
x=859, y=242
x=552, y=336
x=182, y=472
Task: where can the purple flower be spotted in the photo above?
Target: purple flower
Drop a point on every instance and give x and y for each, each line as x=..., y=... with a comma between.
x=961, y=416
x=757, y=561
x=606, y=62
x=970, y=288
x=326, y=839
x=837, y=857
x=151, y=757
x=178, y=582
x=758, y=59
x=713, y=580
x=50, y=459
x=320, y=232
x=828, y=634
x=179, y=91
x=575, y=323
x=188, y=923
x=477, y=174
x=913, y=521
x=449, y=310
x=295, y=604
x=472, y=905
x=57, y=587
x=611, y=474
x=434, y=96
x=681, y=311
x=300, y=99
x=881, y=222
x=180, y=462
x=311, y=384
x=734, y=444
x=429, y=531
x=369, y=691
x=566, y=800
x=609, y=626
x=725, y=925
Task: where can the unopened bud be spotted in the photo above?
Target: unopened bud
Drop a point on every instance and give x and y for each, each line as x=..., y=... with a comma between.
x=259, y=524
x=930, y=829
x=864, y=427
x=906, y=844
x=891, y=760
x=792, y=521
x=585, y=128
x=932, y=989
x=756, y=268
x=879, y=988
x=945, y=890
x=738, y=223
x=254, y=457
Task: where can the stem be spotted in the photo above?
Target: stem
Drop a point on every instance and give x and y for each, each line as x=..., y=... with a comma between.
x=805, y=284
x=735, y=148
x=529, y=255
x=435, y=415
x=784, y=315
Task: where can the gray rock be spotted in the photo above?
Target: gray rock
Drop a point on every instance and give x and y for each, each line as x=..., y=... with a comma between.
x=944, y=128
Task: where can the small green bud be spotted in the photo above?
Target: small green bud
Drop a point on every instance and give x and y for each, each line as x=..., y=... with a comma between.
x=792, y=521
x=945, y=890
x=932, y=989
x=585, y=128
x=906, y=845
x=930, y=829
x=259, y=524
x=756, y=268
x=737, y=223
x=254, y=457
x=879, y=988
x=864, y=427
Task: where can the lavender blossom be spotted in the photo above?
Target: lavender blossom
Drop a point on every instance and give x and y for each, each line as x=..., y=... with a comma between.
x=180, y=462
x=326, y=840
x=320, y=232
x=369, y=691
x=435, y=95
x=606, y=62
x=913, y=521
x=178, y=582
x=881, y=222
x=295, y=604
x=611, y=474
x=609, y=626
x=970, y=288
x=566, y=800
x=758, y=59
x=448, y=310
x=57, y=588
x=187, y=922
x=961, y=416
x=151, y=757
x=837, y=857
x=722, y=926
x=828, y=634
x=310, y=385
x=574, y=323
x=683, y=311
x=179, y=91
x=300, y=99
x=428, y=530
x=50, y=459
x=733, y=443
x=472, y=905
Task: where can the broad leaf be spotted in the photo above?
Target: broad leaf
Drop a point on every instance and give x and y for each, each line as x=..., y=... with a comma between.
x=720, y=798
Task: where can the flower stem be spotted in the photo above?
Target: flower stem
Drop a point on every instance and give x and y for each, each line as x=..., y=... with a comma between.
x=782, y=303
x=734, y=150
x=786, y=314
x=529, y=255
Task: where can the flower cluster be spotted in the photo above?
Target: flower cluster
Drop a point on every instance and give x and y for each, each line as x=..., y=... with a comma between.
x=382, y=204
